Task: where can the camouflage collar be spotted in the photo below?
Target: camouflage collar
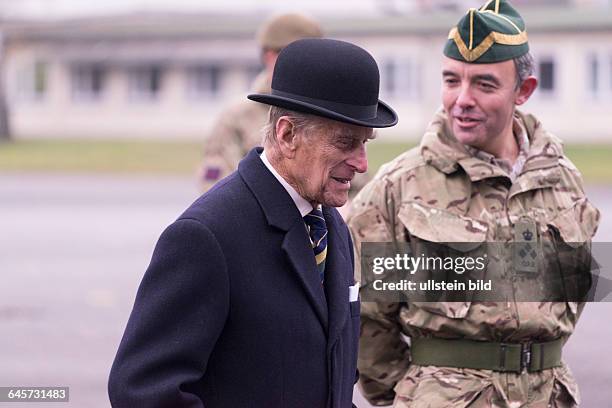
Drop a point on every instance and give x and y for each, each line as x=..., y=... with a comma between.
x=441, y=149
x=522, y=140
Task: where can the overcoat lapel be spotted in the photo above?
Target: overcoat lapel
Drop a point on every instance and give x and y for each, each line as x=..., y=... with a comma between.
x=337, y=269
x=281, y=212
x=297, y=248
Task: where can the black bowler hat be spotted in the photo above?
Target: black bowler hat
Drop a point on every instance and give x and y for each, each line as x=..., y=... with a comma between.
x=330, y=78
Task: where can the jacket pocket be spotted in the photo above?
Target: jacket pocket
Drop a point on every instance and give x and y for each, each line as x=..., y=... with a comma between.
x=565, y=390
x=433, y=232
x=570, y=233
x=424, y=387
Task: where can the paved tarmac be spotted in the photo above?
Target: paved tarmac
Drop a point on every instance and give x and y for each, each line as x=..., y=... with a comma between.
x=73, y=249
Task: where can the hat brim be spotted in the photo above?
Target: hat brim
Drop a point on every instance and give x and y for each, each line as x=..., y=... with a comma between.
x=385, y=116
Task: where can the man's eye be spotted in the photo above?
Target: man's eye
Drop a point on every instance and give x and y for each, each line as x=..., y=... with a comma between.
x=487, y=86
x=345, y=143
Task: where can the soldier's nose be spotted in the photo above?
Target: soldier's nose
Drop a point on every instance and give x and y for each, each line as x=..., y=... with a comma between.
x=465, y=99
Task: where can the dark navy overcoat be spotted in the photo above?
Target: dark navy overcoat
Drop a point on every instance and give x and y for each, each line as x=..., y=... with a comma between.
x=231, y=312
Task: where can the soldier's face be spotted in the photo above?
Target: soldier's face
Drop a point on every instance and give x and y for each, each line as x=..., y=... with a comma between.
x=479, y=100
x=327, y=160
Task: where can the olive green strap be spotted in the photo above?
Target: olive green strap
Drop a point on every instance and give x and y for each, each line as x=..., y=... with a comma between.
x=484, y=355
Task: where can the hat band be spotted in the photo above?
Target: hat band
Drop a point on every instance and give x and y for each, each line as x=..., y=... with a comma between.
x=471, y=55
x=353, y=111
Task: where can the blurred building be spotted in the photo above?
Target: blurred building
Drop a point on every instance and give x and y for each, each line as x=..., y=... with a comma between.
x=167, y=75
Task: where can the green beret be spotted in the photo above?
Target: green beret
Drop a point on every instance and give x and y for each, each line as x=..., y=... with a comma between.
x=493, y=33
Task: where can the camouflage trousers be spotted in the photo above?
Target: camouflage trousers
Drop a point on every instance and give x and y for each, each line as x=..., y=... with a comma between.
x=443, y=387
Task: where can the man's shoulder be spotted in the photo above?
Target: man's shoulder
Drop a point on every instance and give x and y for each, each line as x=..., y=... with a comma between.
x=221, y=202
x=407, y=172
x=403, y=164
x=546, y=143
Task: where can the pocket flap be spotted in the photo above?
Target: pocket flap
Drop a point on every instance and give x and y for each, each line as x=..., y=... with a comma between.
x=577, y=224
x=436, y=225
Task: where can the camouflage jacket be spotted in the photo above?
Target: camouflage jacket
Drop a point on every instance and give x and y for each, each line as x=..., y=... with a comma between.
x=439, y=192
x=235, y=132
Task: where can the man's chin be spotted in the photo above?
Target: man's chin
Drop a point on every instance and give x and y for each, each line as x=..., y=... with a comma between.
x=336, y=200
x=466, y=137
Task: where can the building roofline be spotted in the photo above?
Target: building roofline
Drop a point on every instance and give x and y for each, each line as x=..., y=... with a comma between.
x=198, y=25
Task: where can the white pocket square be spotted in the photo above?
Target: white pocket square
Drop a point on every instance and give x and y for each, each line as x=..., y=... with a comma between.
x=354, y=292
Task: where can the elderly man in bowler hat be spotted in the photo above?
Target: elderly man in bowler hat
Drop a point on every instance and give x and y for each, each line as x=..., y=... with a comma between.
x=237, y=129
x=250, y=300
x=484, y=173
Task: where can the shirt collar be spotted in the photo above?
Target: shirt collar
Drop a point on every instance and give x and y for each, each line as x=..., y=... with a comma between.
x=303, y=206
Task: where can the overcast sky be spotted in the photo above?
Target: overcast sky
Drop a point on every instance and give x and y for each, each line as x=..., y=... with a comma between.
x=65, y=8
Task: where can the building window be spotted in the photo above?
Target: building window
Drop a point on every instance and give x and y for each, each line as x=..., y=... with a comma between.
x=593, y=62
x=389, y=73
x=145, y=83
x=610, y=72
x=546, y=69
x=32, y=81
x=401, y=78
x=252, y=71
x=203, y=81
x=87, y=82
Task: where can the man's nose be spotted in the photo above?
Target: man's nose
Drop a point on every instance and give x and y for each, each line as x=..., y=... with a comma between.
x=465, y=99
x=359, y=160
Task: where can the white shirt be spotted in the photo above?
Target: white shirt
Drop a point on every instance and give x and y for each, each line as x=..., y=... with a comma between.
x=303, y=206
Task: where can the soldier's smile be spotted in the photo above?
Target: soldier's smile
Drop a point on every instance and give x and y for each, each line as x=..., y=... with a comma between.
x=467, y=122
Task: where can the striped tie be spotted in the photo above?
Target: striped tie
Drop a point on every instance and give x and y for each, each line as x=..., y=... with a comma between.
x=318, y=238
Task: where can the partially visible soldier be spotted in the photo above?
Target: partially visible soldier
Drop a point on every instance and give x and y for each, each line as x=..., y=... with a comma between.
x=484, y=172
x=238, y=128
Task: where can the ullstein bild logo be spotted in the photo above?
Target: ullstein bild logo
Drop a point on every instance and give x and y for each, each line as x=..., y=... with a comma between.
x=432, y=285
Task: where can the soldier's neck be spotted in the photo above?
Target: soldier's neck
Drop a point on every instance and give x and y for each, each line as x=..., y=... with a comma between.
x=506, y=148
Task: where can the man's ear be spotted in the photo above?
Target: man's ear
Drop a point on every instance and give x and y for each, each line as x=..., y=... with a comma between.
x=527, y=88
x=286, y=137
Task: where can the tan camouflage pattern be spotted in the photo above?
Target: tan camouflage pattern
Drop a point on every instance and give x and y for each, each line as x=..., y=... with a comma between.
x=513, y=169
x=236, y=131
x=281, y=30
x=439, y=192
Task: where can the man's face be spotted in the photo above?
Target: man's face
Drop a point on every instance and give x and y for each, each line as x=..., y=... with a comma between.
x=479, y=100
x=326, y=161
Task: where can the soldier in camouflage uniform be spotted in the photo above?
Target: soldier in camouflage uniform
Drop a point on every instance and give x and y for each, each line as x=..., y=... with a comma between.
x=484, y=172
x=238, y=129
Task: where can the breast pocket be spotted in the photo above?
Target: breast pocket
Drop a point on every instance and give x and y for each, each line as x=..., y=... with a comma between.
x=436, y=233
x=568, y=239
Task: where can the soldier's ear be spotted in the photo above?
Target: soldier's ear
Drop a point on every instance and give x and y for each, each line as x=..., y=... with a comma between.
x=526, y=89
x=286, y=136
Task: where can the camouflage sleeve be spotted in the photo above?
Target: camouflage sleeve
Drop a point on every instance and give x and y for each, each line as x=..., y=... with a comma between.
x=383, y=354
x=358, y=183
x=222, y=151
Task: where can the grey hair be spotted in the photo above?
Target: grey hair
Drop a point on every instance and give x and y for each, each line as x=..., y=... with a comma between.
x=301, y=121
x=525, y=67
